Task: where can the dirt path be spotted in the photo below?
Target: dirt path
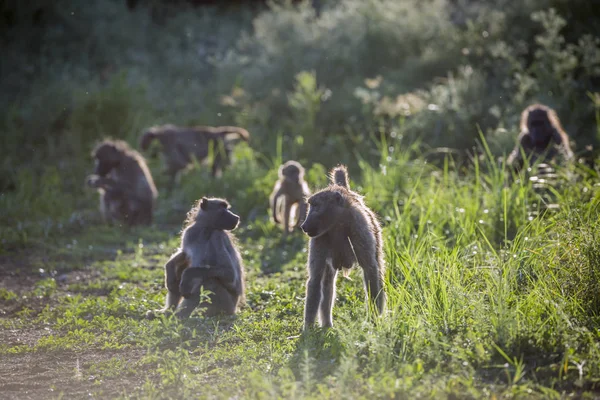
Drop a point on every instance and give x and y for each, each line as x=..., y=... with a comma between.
x=48, y=375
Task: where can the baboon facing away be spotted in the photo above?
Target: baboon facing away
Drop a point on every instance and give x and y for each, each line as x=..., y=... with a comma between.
x=180, y=144
x=343, y=231
x=542, y=137
x=290, y=191
x=127, y=191
x=208, y=258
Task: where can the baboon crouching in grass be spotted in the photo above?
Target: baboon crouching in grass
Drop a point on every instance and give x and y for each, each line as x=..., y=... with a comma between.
x=208, y=258
x=127, y=191
x=343, y=231
x=542, y=138
x=179, y=145
x=290, y=191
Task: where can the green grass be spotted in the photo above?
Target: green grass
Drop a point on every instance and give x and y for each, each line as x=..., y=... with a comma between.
x=483, y=300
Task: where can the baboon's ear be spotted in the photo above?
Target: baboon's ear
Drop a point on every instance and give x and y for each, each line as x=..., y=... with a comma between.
x=339, y=198
x=203, y=203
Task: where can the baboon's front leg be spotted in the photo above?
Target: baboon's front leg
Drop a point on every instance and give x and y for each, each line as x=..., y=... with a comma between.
x=328, y=287
x=287, y=207
x=316, y=268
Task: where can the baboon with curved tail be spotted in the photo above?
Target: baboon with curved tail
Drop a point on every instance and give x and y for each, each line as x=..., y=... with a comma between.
x=343, y=231
x=179, y=145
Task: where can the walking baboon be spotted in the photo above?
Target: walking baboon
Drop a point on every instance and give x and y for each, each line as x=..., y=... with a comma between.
x=208, y=258
x=542, y=137
x=343, y=231
x=290, y=191
x=180, y=144
x=127, y=191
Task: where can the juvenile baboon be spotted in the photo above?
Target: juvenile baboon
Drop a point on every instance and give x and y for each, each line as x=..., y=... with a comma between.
x=208, y=258
x=343, y=231
x=127, y=191
x=542, y=137
x=290, y=190
x=180, y=144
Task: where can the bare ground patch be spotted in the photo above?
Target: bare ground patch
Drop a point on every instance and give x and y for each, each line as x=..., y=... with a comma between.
x=48, y=375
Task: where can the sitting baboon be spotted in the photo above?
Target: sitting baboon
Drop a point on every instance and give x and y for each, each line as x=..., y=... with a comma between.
x=290, y=191
x=180, y=144
x=542, y=138
x=343, y=231
x=208, y=258
x=127, y=191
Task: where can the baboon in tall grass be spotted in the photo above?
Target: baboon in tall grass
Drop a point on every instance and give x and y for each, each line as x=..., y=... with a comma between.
x=290, y=192
x=208, y=258
x=343, y=231
x=542, y=138
x=127, y=191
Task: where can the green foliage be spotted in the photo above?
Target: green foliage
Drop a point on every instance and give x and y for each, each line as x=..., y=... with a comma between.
x=117, y=110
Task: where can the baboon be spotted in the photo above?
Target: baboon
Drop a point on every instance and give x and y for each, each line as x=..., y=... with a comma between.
x=542, y=137
x=127, y=191
x=208, y=258
x=290, y=190
x=180, y=144
x=343, y=231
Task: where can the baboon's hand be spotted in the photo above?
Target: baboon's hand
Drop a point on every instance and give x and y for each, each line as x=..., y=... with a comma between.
x=153, y=314
x=92, y=181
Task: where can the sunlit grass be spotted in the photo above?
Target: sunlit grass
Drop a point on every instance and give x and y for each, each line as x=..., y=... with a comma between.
x=482, y=297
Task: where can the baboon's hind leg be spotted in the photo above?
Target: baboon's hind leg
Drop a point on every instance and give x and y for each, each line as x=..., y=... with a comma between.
x=173, y=270
x=373, y=278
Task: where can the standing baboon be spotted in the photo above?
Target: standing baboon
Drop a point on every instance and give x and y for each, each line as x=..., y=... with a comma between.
x=180, y=144
x=127, y=191
x=343, y=231
x=290, y=190
x=542, y=137
x=208, y=258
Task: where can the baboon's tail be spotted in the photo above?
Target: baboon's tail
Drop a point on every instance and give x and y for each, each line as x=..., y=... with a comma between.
x=234, y=132
x=339, y=176
x=146, y=139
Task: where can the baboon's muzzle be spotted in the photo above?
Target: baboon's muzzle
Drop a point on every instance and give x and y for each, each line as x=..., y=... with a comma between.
x=309, y=228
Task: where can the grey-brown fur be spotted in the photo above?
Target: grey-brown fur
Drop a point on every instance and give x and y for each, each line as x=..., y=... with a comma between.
x=179, y=145
x=289, y=190
x=343, y=231
x=208, y=258
x=126, y=187
x=542, y=137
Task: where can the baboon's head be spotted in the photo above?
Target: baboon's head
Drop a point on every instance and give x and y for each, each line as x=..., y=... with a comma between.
x=107, y=155
x=292, y=171
x=538, y=122
x=147, y=138
x=325, y=210
x=214, y=213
